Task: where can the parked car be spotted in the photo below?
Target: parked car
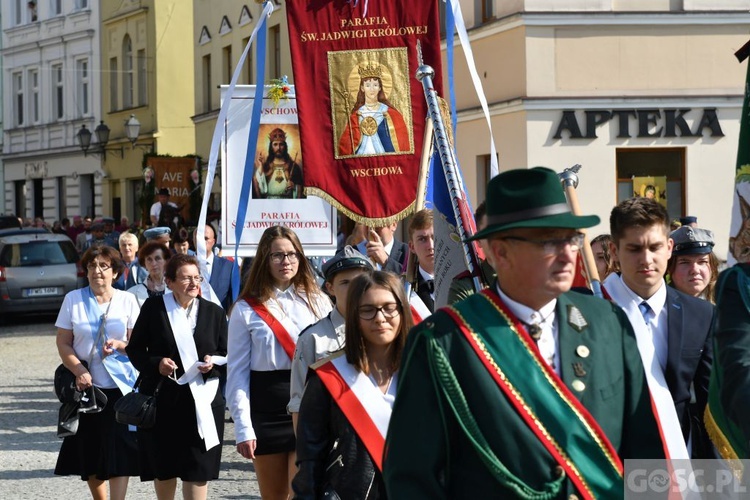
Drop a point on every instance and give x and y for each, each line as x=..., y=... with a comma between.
x=11, y=221
x=37, y=269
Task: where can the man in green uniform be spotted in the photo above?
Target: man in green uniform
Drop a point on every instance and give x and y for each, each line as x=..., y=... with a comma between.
x=524, y=390
x=727, y=415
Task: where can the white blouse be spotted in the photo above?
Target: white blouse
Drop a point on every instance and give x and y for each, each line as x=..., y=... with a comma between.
x=121, y=318
x=252, y=346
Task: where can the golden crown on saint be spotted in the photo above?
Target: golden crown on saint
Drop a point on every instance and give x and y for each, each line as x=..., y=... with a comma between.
x=370, y=71
x=277, y=135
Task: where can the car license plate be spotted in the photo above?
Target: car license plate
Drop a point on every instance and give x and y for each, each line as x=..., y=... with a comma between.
x=42, y=292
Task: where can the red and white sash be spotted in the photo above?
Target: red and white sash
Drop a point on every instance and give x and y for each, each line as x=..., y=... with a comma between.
x=661, y=398
x=282, y=335
x=418, y=308
x=360, y=401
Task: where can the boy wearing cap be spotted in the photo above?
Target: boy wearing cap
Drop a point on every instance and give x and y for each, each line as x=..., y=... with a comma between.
x=673, y=328
x=158, y=234
x=524, y=389
x=327, y=335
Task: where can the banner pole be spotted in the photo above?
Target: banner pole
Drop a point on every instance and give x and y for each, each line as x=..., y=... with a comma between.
x=569, y=179
x=424, y=171
x=425, y=74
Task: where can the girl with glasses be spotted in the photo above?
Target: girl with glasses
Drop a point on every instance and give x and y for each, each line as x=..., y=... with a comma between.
x=340, y=449
x=176, y=332
x=280, y=299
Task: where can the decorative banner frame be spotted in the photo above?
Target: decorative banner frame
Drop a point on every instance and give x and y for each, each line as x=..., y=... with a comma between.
x=276, y=198
x=362, y=112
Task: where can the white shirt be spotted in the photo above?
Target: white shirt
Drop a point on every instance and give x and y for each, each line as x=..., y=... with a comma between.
x=252, y=346
x=209, y=263
x=156, y=208
x=427, y=277
x=121, y=317
x=546, y=318
x=318, y=341
x=658, y=322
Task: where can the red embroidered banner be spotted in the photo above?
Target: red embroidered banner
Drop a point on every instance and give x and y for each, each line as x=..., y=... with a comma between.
x=361, y=109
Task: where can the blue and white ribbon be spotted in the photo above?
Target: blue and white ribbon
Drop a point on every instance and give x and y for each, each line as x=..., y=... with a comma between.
x=200, y=243
x=463, y=36
x=117, y=364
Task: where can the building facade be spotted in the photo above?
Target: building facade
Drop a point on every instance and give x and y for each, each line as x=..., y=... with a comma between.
x=147, y=60
x=50, y=62
x=645, y=95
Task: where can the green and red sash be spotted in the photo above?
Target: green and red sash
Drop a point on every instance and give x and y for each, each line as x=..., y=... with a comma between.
x=360, y=401
x=282, y=336
x=560, y=422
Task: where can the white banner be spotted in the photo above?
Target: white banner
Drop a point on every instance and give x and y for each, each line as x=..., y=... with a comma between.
x=277, y=196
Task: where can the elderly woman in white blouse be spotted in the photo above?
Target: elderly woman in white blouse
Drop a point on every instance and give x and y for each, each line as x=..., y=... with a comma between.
x=279, y=300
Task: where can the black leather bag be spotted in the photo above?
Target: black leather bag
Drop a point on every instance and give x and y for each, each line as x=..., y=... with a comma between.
x=65, y=385
x=137, y=409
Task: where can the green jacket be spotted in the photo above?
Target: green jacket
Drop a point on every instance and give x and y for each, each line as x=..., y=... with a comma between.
x=727, y=415
x=429, y=456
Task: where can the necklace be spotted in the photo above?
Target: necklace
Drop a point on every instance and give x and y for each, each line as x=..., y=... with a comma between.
x=372, y=107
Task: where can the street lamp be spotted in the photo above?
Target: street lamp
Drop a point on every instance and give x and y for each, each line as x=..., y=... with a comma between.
x=132, y=129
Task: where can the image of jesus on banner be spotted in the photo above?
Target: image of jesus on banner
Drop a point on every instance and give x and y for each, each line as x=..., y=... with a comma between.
x=374, y=125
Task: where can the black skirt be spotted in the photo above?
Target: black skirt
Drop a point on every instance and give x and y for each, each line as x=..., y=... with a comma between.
x=173, y=448
x=101, y=447
x=269, y=395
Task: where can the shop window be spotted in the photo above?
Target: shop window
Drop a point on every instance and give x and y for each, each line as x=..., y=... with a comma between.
x=658, y=172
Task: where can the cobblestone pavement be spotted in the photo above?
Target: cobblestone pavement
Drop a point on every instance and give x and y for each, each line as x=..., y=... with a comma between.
x=28, y=412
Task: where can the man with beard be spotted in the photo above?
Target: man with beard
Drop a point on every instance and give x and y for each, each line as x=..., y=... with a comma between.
x=278, y=175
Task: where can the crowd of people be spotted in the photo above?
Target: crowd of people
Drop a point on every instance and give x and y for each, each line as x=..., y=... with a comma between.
x=524, y=389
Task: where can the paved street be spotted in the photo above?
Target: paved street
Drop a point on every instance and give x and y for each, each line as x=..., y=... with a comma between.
x=28, y=411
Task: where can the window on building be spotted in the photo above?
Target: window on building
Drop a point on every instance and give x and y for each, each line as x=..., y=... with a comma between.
x=34, y=95
x=207, y=90
x=32, y=8
x=58, y=92
x=248, y=73
x=142, y=78
x=484, y=174
x=83, y=86
x=18, y=101
x=441, y=18
x=658, y=172
x=56, y=7
x=127, y=72
x=275, y=52
x=113, y=77
x=18, y=10
x=488, y=12
x=19, y=192
x=82, y=4
x=226, y=63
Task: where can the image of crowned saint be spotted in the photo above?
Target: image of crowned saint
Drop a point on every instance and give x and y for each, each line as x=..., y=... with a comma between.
x=374, y=126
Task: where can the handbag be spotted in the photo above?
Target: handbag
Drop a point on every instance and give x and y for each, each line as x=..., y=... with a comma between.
x=65, y=385
x=136, y=408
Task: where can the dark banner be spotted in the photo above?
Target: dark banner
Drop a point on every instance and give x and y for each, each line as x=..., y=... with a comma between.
x=361, y=109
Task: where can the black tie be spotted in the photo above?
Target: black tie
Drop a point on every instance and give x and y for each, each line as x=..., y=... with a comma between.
x=430, y=284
